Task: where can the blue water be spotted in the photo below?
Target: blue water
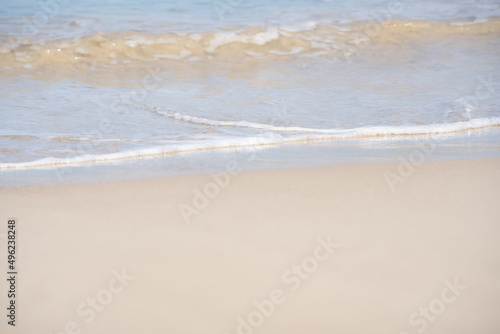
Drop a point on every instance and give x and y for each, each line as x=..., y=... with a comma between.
x=71, y=18
x=112, y=83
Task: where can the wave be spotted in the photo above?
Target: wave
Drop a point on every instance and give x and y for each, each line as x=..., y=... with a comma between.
x=148, y=152
x=350, y=133
x=117, y=49
x=260, y=140
x=239, y=124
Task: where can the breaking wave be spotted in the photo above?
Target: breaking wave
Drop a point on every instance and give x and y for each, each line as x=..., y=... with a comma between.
x=120, y=48
x=270, y=138
x=351, y=133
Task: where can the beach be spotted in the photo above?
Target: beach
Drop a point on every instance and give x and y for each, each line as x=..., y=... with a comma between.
x=331, y=249
x=250, y=167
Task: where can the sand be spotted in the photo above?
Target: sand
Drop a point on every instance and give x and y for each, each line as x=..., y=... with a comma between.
x=314, y=250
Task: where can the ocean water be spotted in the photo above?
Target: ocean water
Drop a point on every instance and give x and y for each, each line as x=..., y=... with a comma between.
x=109, y=82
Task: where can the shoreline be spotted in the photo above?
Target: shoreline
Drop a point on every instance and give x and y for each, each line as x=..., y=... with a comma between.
x=260, y=246
x=266, y=140
x=292, y=155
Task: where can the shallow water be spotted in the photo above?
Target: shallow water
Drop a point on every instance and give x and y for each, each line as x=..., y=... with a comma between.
x=88, y=82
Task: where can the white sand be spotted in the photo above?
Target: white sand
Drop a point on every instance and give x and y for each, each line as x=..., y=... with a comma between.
x=397, y=249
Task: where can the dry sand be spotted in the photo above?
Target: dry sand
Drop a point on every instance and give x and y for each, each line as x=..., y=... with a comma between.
x=424, y=258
